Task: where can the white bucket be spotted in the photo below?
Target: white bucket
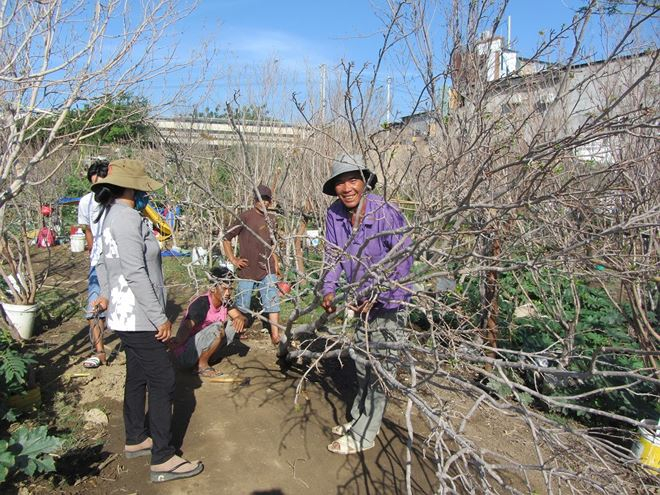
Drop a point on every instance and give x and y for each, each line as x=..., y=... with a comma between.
x=200, y=256
x=647, y=448
x=312, y=237
x=22, y=317
x=77, y=243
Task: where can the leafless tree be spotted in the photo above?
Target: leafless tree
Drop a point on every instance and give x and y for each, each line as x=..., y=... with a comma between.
x=544, y=177
x=60, y=64
x=527, y=186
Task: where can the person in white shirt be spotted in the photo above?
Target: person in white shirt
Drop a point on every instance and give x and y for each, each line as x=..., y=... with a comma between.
x=88, y=211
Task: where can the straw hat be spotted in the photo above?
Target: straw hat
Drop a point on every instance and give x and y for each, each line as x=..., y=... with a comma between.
x=129, y=174
x=348, y=163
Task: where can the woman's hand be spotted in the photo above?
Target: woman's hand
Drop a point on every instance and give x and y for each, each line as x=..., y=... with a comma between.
x=100, y=304
x=164, y=331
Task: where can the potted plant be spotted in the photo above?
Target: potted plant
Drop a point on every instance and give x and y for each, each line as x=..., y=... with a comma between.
x=19, y=283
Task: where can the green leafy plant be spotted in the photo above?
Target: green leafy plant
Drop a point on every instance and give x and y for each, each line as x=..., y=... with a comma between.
x=7, y=460
x=29, y=450
x=109, y=119
x=600, y=324
x=14, y=366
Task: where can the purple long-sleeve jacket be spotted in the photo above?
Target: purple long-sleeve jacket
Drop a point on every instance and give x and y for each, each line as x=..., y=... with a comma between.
x=369, y=257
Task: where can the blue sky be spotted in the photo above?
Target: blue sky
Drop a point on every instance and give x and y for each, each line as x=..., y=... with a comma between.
x=301, y=35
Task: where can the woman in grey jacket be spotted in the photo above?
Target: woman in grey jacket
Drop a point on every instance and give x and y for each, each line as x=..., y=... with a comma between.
x=133, y=296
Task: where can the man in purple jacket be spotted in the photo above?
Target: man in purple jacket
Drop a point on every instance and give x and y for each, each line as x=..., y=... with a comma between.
x=366, y=241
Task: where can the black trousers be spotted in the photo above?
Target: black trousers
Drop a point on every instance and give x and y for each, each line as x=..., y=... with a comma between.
x=148, y=369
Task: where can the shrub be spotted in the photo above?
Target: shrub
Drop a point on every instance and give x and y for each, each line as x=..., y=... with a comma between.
x=26, y=450
x=29, y=450
x=600, y=324
x=14, y=366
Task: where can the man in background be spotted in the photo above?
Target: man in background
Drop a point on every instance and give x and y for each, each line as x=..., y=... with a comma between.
x=88, y=212
x=257, y=264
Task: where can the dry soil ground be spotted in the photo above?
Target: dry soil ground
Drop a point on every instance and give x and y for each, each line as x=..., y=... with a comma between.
x=252, y=439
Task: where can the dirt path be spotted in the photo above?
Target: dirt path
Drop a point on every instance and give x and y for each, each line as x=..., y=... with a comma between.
x=252, y=439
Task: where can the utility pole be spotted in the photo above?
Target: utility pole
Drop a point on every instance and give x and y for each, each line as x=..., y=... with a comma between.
x=389, y=100
x=323, y=78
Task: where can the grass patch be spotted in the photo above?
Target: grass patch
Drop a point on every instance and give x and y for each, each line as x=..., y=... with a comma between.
x=57, y=305
x=300, y=297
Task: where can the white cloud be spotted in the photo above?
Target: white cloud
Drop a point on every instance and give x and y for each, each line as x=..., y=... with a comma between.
x=256, y=46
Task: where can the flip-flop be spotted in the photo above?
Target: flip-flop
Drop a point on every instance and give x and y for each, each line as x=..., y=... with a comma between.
x=209, y=372
x=92, y=362
x=348, y=445
x=131, y=454
x=160, y=476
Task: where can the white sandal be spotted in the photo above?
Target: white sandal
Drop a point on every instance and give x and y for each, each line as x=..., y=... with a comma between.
x=341, y=430
x=92, y=362
x=348, y=445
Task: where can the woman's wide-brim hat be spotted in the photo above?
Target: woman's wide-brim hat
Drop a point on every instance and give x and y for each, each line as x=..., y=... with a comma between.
x=345, y=164
x=129, y=174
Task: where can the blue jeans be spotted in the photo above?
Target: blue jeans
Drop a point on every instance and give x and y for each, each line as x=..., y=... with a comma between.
x=268, y=294
x=93, y=293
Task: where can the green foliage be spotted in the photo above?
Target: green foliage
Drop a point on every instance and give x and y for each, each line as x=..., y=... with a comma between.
x=75, y=186
x=14, y=366
x=106, y=120
x=599, y=324
x=251, y=112
x=32, y=448
x=7, y=460
x=118, y=120
x=29, y=450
